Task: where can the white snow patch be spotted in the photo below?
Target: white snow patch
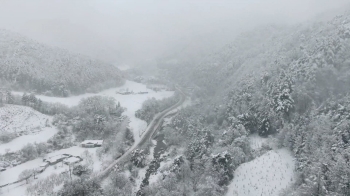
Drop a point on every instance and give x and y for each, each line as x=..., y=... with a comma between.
x=124, y=67
x=21, y=119
x=19, y=142
x=138, y=181
x=153, y=178
x=30, y=126
x=266, y=175
x=256, y=141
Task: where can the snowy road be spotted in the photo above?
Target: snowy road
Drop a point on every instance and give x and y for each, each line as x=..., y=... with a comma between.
x=151, y=129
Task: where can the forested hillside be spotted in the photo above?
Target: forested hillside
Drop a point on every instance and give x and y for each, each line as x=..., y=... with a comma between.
x=28, y=65
x=288, y=82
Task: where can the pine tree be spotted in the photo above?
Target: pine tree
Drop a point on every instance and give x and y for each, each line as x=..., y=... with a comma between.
x=10, y=98
x=1, y=99
x=25, y=98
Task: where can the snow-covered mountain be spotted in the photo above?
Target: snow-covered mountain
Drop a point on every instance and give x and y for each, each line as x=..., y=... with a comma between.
x=28, y=65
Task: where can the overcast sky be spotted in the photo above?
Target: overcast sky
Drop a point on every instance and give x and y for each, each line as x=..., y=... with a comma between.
x=126, y=31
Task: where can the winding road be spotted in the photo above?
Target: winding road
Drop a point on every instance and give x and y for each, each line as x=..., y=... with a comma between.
x=146, y=137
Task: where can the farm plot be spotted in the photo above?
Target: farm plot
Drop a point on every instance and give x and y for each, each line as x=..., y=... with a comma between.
x=22, y=120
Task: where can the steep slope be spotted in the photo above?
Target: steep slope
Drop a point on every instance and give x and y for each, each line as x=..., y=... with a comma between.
x=28, y=65
x=290, y=82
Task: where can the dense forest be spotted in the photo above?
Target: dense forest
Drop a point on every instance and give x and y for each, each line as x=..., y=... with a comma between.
x=26, y=64
x=152, y=106
x=288, y=82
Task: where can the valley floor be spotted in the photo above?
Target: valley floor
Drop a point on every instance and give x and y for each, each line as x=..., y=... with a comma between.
x=131, y=102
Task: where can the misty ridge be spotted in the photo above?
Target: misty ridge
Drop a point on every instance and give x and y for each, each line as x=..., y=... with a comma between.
x=209, y=98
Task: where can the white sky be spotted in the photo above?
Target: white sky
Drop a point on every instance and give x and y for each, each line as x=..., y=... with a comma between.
x=130, y=30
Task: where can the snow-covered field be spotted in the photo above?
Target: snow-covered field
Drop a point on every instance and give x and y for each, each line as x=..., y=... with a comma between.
x=132, y=102
x=266, y=175
x=18, y=143
x=21, y=119
x=29, y=125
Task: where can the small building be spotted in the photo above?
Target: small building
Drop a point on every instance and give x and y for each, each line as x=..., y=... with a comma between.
x=45, y=164
x=91, y=143
x=55, y=159
x=42, y=167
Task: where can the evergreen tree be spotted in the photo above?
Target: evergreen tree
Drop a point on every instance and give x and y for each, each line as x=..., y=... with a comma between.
x=10, y=98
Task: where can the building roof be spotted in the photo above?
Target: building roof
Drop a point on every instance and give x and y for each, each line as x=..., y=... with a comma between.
x=71, y=160
x=44, y=164
x=98, y=142
x=55, y=158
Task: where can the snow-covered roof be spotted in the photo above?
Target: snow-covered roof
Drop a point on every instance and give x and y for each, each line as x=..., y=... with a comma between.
x=98, y=142
x=55, y=158
x=44, y=164
x=71, y=160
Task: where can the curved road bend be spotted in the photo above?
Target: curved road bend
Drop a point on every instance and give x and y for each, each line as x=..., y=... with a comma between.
x=151, y=129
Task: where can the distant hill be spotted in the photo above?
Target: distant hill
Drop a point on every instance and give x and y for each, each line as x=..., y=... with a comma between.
x=28, y=65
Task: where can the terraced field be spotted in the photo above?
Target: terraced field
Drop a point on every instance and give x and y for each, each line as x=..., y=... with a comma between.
x=22, y=120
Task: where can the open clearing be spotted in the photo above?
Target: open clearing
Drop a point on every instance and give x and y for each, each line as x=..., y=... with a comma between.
x=131, y=102
x=266, y=175
x=22, y=120
x=29, y=125
x=18, y=143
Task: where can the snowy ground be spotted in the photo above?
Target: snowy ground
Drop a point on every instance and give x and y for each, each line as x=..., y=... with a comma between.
x=256, y=141
x=132, y=102
x=11, y=174
x=30, y=126
x=18, y=143
x=266, y=175
x=21, y=119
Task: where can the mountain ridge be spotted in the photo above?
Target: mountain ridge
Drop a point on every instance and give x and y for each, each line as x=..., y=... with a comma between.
x=32, y=66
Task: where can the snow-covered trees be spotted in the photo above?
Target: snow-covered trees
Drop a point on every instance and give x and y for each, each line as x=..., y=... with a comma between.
x=119, y=185
x=96, y=117
x=152, y=106
x=27, y=174
x=281, y=93
x=290, y=81
x=81, y=187
x=138, y=158
x=10, y=99
x=223, y=164
x=26, y=64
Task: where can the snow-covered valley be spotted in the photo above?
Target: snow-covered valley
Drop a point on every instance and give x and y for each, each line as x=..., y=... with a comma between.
x=19, y=116
x=131, y=102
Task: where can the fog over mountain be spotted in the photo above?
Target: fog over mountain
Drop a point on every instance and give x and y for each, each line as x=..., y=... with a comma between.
x=170, y=98
x=134, y=31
